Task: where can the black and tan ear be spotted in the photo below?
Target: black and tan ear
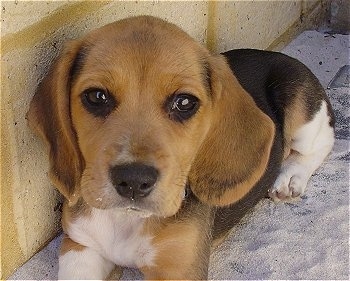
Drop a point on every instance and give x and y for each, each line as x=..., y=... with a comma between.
x=49, y=117
x=235, y=153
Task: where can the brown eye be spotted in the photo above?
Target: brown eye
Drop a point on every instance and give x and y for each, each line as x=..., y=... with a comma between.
x=98, y=102
x=96, y=97
x=181, y=107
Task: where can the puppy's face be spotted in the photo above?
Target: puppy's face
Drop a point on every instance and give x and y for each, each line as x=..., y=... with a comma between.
x=140, y=106
x=136, y=109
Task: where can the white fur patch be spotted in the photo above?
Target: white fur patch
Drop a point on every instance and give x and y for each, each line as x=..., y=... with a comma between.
x=83, y=265
x=114, y=235
x=311, y=144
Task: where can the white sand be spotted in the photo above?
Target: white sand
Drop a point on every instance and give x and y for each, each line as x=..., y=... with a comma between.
x=305, y=239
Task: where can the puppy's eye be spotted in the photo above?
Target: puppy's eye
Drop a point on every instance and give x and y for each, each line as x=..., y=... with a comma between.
x=96, y=97
x=98, y=102
x=181, y=107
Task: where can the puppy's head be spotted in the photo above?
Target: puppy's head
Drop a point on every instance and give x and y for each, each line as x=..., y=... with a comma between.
x=137, y=109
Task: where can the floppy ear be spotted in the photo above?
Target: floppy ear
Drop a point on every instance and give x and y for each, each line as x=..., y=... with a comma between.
x=49, y=116
x=235, y=153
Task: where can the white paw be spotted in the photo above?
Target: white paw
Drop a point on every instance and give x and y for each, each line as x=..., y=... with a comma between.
x=289, y=185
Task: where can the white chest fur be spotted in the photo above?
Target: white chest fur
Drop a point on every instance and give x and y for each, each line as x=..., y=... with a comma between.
x=116, y=235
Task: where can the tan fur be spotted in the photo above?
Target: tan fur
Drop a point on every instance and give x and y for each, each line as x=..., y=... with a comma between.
x=49, y=116
x=245, y=158
x=68, y=244
x=179, y=238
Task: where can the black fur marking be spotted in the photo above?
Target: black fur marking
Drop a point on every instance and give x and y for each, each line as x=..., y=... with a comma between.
x=206, y=74
x=276, y=78
x=78, y=63
x=218, y=186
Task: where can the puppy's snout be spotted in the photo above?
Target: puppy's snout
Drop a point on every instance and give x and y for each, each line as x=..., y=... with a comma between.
x=134, y=181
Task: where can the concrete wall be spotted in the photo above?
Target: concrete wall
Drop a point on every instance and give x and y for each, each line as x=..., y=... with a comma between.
x=339, y=16
x=32, y=33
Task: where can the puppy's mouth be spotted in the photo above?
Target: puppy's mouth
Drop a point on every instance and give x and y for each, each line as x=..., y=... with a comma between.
x=135, y=211
x=137, y=208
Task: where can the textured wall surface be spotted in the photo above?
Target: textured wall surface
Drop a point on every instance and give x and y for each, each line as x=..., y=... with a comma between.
x=32, y=33
x=340, y=16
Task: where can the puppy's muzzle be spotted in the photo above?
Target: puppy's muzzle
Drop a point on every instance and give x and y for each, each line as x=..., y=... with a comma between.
x=134, y=181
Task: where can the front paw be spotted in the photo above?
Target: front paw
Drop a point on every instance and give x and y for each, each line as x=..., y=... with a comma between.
x=289, y=186
x=83, y=264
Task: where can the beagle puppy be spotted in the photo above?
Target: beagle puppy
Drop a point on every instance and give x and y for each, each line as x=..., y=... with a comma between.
x=159, y=147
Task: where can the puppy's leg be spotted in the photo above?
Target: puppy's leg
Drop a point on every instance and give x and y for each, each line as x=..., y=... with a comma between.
x=183, y=250
x=310, y=144
x=77, y=262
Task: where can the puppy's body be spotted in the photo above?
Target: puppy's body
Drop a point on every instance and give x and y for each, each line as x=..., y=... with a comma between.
x=159, y=149
x=283, y=88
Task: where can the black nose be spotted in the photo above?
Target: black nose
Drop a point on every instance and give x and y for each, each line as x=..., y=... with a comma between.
x=134, y=180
